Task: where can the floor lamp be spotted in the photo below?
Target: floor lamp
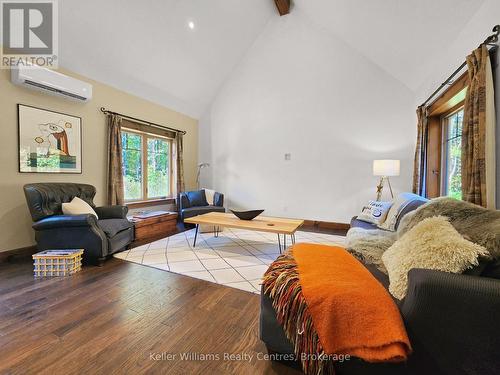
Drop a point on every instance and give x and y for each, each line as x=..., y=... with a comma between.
x=200, y=167
x=385, y=169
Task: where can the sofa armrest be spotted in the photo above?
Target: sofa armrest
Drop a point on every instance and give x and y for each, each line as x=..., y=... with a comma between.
x=111, y=212
x=218, y=199
x=454, y=318
x=65, y=221
x=183, y=201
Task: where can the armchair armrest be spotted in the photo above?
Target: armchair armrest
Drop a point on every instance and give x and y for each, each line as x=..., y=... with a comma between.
x=218, y=199
x=454, y=318
x=111, y=212
x=183, y=201
x=65, y=221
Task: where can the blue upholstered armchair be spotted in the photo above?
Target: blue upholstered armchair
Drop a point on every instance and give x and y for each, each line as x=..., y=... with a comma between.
x=99, y=237
x=194, y=203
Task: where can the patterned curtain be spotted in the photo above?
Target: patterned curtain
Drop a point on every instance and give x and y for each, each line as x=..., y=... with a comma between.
x=179, y=163
x=115, y=173
x=419, y=164
x=477, y=132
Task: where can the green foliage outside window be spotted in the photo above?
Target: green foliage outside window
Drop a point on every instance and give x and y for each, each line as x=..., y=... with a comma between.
x=157, y=159
x=454, y=156
x=158, y=178
x=132, y=165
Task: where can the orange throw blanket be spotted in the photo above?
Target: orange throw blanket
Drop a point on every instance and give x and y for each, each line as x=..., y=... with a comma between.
x=329, y=303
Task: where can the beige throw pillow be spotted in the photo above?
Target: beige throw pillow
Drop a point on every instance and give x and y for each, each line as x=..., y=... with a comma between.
x=399, y=204
x=375, y=212
x=77, y=206
x=432, y=244
x=209, y=194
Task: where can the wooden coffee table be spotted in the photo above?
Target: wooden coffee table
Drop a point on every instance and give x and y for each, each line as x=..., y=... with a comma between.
x=276, y=225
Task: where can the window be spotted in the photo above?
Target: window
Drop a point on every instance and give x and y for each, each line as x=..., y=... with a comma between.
x=452, y=154
x=147, y=161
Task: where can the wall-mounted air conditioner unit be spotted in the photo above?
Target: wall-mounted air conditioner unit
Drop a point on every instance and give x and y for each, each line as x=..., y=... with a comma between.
x=51, y=82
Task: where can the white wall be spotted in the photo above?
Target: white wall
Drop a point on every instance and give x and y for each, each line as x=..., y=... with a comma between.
x=300, y=90
x=474, y=33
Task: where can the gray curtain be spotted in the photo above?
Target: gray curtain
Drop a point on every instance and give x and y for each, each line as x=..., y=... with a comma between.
x=179, y=146
x=419, y=164
x=115, y=163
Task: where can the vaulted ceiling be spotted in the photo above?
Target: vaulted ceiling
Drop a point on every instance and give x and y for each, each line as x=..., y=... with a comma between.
x=147, y=47
x=403, y=37
x=179, y=52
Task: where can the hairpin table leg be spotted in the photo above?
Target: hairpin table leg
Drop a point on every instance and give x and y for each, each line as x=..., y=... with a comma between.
x=196, y=234
x=279, y=242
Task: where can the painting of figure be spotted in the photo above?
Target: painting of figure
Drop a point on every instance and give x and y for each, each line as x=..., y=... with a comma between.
x=49, y=141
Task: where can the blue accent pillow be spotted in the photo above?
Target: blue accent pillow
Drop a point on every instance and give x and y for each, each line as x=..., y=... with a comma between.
x=197, y=198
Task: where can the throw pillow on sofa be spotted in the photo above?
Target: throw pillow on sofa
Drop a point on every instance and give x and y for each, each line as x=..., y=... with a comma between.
x=209, y=196
x=399, y=209
x=375, y=212
x=78, y=206
x=431, y=244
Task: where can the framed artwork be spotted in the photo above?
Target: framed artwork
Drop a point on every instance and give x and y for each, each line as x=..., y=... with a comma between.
x=49, y=142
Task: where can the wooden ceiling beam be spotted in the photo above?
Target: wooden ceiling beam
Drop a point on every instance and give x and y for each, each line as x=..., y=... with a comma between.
x=283, y=6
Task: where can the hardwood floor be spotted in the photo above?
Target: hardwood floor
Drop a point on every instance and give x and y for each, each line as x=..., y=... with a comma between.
x=112, y=319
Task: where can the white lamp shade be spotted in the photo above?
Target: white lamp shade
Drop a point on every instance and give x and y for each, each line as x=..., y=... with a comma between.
x=386, y=168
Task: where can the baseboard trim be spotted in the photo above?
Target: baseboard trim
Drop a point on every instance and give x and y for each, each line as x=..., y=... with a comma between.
x=325, y=225
x=22, y=252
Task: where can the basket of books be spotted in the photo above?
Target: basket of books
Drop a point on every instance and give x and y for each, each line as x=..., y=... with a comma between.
x=57, y=262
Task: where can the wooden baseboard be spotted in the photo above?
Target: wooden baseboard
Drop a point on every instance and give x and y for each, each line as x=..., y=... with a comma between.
x=325, y=225
x=23, y=252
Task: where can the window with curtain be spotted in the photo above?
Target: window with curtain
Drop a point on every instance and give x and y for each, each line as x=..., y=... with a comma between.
x=452, y=154
x=147, y=161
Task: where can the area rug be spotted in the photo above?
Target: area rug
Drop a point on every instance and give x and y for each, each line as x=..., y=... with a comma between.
x=237, y=258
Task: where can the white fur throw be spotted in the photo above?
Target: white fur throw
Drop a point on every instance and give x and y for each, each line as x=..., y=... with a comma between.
x=475, y=223
x=434, y=244
x=368, y=245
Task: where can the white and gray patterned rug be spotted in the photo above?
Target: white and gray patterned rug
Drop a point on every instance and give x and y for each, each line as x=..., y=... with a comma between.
x=237, y=258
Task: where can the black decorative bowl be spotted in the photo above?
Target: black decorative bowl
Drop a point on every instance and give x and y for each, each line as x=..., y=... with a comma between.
x=247, y=215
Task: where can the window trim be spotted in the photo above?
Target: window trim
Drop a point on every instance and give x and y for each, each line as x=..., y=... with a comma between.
x=444, y=148
x=144, y=200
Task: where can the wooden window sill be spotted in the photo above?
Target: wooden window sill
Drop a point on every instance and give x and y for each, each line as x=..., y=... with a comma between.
x=148, y=203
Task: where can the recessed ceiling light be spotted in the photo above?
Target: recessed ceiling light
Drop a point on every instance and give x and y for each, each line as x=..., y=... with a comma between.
x=191, y=25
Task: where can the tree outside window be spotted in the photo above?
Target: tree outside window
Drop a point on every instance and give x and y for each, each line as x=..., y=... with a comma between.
x=146, y=166
x=453, y=155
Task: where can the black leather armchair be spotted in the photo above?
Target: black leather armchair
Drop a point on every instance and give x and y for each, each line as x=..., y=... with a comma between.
x=99, y=237
x=190, y=205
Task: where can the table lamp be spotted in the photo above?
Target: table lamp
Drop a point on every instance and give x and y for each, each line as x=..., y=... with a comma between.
x=385, y=169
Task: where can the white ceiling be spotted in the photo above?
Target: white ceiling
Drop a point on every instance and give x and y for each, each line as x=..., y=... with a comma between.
x=146, y=48
x=401, y=36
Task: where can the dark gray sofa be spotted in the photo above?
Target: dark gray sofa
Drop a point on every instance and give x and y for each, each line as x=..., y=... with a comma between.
x=99, y=238
x=452, y=322
x=194, y=203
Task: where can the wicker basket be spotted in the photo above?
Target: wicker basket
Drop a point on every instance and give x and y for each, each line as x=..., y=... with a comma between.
x=57, y=262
